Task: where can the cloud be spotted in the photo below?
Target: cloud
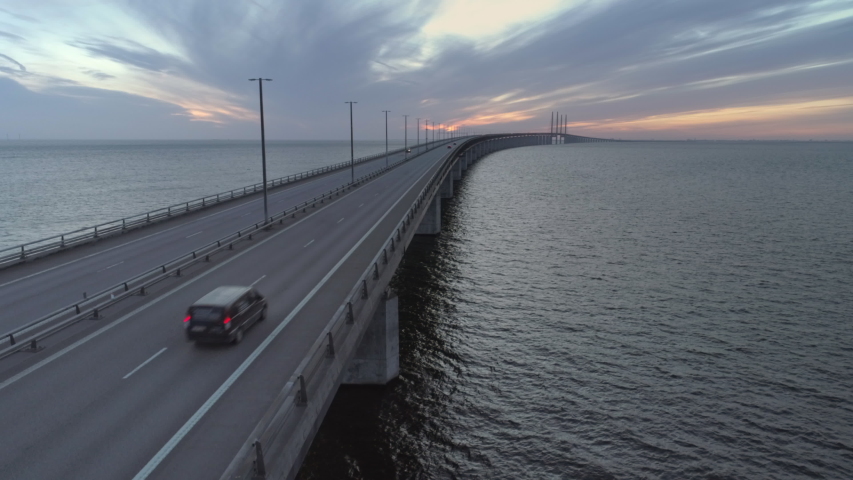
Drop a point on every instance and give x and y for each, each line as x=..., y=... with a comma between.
x=98, y=75
x=11, y=61
x=502, y=65
x=129, y=53
x=11, y=36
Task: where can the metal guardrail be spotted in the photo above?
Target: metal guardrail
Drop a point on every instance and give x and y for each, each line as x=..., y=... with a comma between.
x=20, y=253
x=308, y=377
x=28, y=336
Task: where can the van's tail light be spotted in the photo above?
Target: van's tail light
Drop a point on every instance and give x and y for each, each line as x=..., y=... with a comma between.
x=188, y=318
x=227, y=320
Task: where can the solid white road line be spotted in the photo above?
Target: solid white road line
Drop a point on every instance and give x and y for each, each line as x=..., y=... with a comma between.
x=173, y=442
x=144, y=363
x=196, y=233
x=361, y=205
x=309, y=243
x=258, y=280
x=341, y=220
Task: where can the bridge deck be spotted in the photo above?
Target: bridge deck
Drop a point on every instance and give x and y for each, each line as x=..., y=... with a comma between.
x=104, y=398
x=29, y=291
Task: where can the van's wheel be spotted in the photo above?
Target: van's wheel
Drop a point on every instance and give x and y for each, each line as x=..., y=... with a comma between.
x=238, y=336
x=263, y=314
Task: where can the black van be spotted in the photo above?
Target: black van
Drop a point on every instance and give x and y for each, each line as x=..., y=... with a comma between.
x=224, y=314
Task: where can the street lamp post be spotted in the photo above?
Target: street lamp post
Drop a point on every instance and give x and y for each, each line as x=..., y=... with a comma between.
x=351, y=147
x=263, y=142
x=406, y=135
x=386, y=136
x=418, y=132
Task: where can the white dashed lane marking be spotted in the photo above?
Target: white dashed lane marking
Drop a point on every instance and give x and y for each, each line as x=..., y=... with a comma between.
x=143, y=363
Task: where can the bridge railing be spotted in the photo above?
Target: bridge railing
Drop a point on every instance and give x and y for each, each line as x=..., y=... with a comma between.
x=47, y=245
x=28, y=336
x=317, y=375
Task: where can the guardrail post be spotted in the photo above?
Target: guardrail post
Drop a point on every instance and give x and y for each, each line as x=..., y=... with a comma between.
x=364, y=288
x=392, y=244
x=301, y=395
x=11, y=339
x=260, y=469
x=96, y=231
x=350, y=316
x=385, y=256
x=34, y=346
x=23, y=255
x=375, y=270
x=330, y=347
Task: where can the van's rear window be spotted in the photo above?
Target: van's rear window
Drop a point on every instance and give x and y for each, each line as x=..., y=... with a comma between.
x=207, y=313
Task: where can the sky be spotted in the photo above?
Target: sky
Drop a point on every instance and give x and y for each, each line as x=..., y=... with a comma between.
x=630, y=69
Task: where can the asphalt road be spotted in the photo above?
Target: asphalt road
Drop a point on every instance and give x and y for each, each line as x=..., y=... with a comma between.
x=34, y=289
x=128, y=397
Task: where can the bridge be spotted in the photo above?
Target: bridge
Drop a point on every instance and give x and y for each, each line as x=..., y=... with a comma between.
x=97, y=380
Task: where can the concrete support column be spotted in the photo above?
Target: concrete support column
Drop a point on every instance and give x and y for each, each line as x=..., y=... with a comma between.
x=431, y=223
x=463, y=162
x=377, y=358
x=456, y=170
x=446, y=189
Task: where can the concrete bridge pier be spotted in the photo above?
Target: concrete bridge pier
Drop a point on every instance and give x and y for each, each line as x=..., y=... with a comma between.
x=457, y=170
x=376, y=360
x=446, y=189
x=431, y=222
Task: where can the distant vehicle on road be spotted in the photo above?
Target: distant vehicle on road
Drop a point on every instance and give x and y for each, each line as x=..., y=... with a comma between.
x=450, y=146
x=224, y=314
